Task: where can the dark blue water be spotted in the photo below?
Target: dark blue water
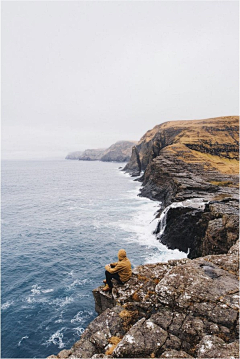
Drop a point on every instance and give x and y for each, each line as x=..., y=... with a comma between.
x=62, y=221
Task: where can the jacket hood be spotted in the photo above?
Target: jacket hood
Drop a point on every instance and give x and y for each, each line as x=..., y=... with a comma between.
x=122, y=254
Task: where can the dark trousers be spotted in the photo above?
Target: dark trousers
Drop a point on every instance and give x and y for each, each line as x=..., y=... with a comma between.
x=109, y=277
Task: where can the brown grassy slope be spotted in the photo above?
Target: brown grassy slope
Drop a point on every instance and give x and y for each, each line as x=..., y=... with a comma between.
x=214, y=141
x=222, y=164
x=191, y=131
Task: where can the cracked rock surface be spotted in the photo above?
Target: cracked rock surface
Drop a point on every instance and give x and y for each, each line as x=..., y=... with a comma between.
x=180, y=309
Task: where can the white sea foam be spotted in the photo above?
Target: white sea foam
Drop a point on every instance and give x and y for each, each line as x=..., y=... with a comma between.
x=35, y=289
x=60, y=320
x=141, y=225
x=47, y=290
x=20, y=341
x=61, y=302
x=56, y=339
x=78, y=282
x=79, y=330
x=81, y=316
x=83, y=295
x=31, y=299
x=6, y=305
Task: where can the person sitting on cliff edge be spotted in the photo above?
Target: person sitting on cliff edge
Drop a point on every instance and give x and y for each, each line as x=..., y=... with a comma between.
x=121, y=271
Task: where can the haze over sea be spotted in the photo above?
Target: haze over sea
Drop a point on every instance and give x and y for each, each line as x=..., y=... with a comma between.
x=62, y=221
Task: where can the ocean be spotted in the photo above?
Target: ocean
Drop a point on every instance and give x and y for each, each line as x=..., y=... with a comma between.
x=62, y=221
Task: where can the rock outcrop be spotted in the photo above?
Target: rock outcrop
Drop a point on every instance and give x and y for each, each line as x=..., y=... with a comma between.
x=191, y=167
x=118, y=152
x=179, y=309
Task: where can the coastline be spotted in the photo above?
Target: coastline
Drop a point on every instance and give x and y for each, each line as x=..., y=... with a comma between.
x=191, y=303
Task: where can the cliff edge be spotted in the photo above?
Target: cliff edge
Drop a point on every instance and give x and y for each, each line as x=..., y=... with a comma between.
x=181, y=309
x=186, y=308
x=191, y=168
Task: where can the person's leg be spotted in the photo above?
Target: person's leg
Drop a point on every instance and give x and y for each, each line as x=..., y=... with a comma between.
x=116, y=276
x=109, y=277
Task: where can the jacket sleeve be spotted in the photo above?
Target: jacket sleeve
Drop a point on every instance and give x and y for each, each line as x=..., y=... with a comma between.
x=116, y=269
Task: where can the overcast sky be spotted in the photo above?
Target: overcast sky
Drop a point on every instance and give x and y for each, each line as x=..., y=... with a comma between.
x=78, y=75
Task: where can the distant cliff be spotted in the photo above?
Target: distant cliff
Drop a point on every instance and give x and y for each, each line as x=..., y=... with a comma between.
x=191, y=167
x=118, y=152
x=74, y=155
x=92, y=155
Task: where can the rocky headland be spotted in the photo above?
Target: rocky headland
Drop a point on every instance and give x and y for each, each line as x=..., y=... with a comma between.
x=118, y=152
x=186, y=308
x=191, y=168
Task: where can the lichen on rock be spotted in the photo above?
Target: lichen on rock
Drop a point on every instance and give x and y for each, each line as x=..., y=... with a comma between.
x=192, y=310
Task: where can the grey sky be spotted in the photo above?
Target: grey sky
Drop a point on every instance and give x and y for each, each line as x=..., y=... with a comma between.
x=79, y=75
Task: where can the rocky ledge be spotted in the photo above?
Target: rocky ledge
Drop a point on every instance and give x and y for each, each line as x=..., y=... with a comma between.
x=179, y=309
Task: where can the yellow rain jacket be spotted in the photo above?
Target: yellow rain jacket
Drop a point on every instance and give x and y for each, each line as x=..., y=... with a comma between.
x=122, y=267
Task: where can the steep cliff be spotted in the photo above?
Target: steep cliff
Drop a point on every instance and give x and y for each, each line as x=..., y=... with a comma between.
x=214, y=136
x=118, y=152
x=191, y=167
x=186, y=308
x=92, y=154
x=179, y=309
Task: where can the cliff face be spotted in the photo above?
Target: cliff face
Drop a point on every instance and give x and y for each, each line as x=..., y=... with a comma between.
x=215, y=136
x=118, y=152
x=92, y=155
x=180, y=309
x=186, y=308
x=191, y=167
